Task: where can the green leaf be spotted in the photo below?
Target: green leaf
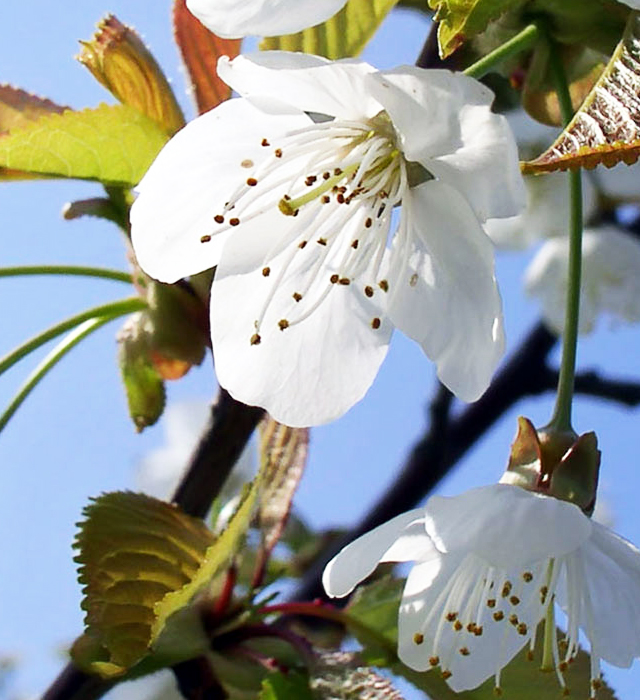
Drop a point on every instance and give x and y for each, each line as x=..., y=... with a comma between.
x=605, y=129
x=280, y=686
x=459, y=20
x=343, y=35
x=376, y=605
x=133, y=551
x=111, y=144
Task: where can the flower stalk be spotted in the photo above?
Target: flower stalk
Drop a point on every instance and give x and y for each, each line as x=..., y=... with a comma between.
x=561, y=419
x=522, y=41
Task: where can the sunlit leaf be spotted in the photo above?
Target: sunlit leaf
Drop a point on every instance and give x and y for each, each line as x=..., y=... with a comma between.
x=606, y=128
x=112, y=144
x=343, y=35
x=118, y=58
x=281, y=686
x=133, y=551
x=200, y=51
x=459, y=20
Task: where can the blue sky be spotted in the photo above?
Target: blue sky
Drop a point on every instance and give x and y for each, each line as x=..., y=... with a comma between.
x=73, y=439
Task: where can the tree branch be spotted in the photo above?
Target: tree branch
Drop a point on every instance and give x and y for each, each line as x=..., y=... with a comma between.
x=590, y=383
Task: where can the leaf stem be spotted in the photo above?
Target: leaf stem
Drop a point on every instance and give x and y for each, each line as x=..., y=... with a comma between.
x=561, y=419
x=50, y=361
x=113, y=309
x=522, y=41
x=76, y=270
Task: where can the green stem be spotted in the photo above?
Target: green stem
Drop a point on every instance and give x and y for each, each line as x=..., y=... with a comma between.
x=50, y=361
x=520, y=42
x=115, y=308
x=77, y=270
x=561, y=419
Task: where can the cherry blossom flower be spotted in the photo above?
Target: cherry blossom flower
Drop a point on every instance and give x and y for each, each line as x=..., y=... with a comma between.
x=291, y=190
x=610, y=274
x=234, y=19
x=489, y=565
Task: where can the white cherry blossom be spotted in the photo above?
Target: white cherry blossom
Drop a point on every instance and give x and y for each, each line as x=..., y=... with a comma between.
x=234, y=19
x=291, y=190
x=610, y=278
x=488, y=565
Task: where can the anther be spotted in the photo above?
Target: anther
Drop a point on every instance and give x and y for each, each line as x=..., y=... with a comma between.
x=434, y=660
x=219, y=219
x=345, y=281
x=354, y=244
x=368, y=291
x=491, y=603
x=451, y=616
x=247, y=163
x=498, y=615
x=255, y=339
x=297, y=296
x=384, y=285
x=234, y=222
x=278, y=153
x=334, y=279
x=375, y=323
x=471, y=627
x=506, y=589
x=464, y=651
x=529, y=655
x=340, y=198
x=514, y=600
x=478, y=631
x=326, y=176
x=418, y=638
x=563, y=666
x=413, y=280
x=596, y=684
x=325, y=199
x=205, y=238
x=337, y=171
x=264, y=142
x=446, y=675
x=497, y=691
x=283, y=324
x=522, y=629
x=322, y=241
x=266, y=271
x=302, y=244
x=457, y=625
x=513, y=619
x=543, y=593
x=368, y=222
x=251, y=181
x=527, y=576
x=310, y=180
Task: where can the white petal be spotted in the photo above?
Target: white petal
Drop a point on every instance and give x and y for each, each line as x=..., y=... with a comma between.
x=400, y=539
x=307, y=82
x=506, y=526
x=445, y=297
x=190, y=181
x=234, y=19
x=465, y=143
x=612, y=575
x=314, y=370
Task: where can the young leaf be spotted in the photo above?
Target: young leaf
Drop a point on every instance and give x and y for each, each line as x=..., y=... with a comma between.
x=133, y=550
x=19, y=108
x=283, y=452
x=280, y=686
x=118, y=58
x=112, y=144
x=605, y=130
x=460, y=20
x=343, y=35
x=200, y=50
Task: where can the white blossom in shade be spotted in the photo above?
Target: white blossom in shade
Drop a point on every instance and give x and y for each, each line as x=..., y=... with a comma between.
x=234, y=19
x=291, y=189
x=488, y=565
x=610, y=278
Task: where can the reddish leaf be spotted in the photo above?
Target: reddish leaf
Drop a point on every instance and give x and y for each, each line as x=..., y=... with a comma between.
x=18, y=108
x=200, y=51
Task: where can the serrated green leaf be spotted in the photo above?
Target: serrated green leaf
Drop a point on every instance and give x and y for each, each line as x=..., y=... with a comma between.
x=114, y=145
x=605, y=129
x=133, y=550
x=342, y=36
x=459, y=20
x=280, y=686
x=376, y=605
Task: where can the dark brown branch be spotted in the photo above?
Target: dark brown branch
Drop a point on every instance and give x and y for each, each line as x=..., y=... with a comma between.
x=590, y=383
x=441, y=447
x=229, y=428
x=196, y=680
